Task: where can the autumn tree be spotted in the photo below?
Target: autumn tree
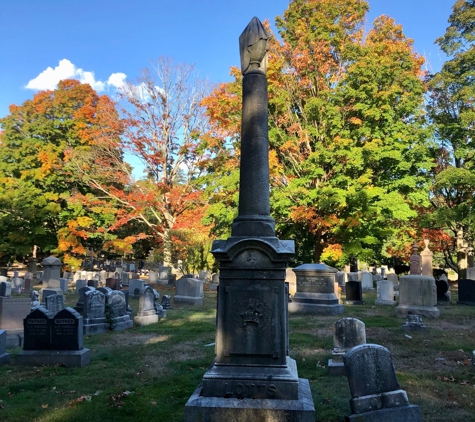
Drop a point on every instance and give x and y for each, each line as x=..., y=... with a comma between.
x=164, y=127
x=348, y=151
x=452, y=112
x=38, y=178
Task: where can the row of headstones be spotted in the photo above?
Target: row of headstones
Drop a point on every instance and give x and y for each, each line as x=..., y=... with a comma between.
x=375, y=390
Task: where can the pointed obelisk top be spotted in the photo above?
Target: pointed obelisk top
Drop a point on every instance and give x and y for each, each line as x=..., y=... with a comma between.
x=253, y=47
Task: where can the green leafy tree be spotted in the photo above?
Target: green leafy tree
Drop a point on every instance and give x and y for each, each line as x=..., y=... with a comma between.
x=451, y=110
x=349, y=153
x=38, y=178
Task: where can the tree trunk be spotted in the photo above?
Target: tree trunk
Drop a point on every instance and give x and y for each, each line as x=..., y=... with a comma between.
x=318, y=248
x=461, y=254
x=167, y=248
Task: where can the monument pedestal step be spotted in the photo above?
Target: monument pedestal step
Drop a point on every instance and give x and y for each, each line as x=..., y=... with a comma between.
x=218, y=409
x=68, y=358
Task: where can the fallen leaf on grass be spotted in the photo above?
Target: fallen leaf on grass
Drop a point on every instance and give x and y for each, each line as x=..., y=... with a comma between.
x=319, y=365
x=44, y=406
x=465, y=382
x=1, y=407
x=446, y=379
x=154, y=403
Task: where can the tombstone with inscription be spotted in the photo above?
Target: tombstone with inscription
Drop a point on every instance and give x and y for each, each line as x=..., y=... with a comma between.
x=146, y=313
x=116, y=308
x=414, y=323
x=94, y=312
x=375, y=390
x=466, y=292
x=252, y=377
x=53, y=340
x=189, y=291
x=347, y=333
x=4, y=356
x=125, y=280
x=28, y=283
x=316, y=291
x=417, y=295
x=385, y=293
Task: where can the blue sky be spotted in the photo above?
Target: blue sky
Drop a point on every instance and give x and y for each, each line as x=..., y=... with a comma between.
x=104, y=41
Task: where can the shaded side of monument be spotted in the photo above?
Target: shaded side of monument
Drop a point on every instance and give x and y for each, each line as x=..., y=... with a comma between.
x=252, y=377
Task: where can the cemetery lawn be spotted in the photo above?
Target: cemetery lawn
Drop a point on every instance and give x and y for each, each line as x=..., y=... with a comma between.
x=148, y=373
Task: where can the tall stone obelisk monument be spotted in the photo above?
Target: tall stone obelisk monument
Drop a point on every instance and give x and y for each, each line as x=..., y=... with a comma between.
x=252, y=377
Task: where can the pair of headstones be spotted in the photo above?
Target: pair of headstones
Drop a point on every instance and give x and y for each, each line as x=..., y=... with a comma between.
x=53, y=339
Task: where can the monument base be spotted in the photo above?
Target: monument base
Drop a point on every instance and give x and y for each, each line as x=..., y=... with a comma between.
x=315, y=308
x=121, y=323
x=68, y=358
x=426, y=311
x=384, y=302
x=4, y=358
x=217, y=409
x=336, y=369
x=95, y=326
x=410, y=413
x=146, y=320
x=189, y=300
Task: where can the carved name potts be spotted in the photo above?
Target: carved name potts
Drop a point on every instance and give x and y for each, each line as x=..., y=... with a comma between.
x=250, y=390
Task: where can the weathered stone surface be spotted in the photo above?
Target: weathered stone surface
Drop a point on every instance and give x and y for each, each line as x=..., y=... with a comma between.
x=347, y=333
x=367, y=281
x=135, y=287
x=4, y=356
x=316, y=286
x=146, y=313
x=5, y=289
x=219, y=409
x=385, y=293
x=417, y=295
x=189, y=291
x=374, y=387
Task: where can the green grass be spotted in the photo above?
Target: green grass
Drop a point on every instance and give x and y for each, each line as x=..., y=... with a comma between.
x=148, y=373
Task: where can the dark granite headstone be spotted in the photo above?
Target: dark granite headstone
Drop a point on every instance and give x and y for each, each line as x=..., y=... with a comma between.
x=442, y=289
x=466, y=292
x=375, y=391
x=93, y=283
x=354, y=293
x=37, y=330
x=113, y=283
x=67, y=330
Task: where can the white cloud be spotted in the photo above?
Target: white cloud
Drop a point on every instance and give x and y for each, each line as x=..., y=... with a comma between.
x=49, y=78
